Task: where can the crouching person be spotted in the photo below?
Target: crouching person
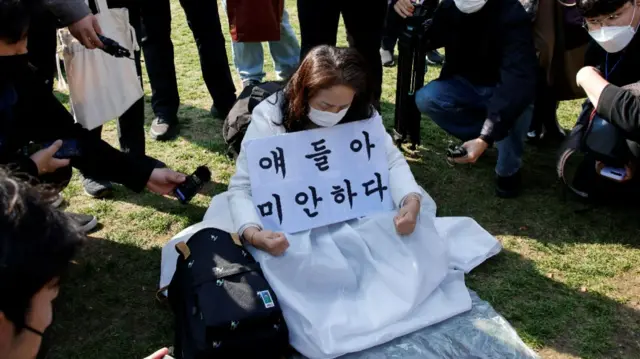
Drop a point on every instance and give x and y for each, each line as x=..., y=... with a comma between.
x=39, y=137
x=486, y=88
x=610, y=126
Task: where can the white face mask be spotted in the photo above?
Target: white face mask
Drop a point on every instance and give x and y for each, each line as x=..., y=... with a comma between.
x=469, y=6
x=325, y=118
x=614, y=38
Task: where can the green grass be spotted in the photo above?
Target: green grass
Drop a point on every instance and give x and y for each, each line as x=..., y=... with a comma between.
x=568, y=282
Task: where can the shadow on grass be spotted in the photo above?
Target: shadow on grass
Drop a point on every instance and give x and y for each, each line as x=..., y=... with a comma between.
x=107, y=308
x=548, y=313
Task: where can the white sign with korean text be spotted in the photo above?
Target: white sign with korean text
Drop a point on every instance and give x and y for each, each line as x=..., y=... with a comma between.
x=309, y=179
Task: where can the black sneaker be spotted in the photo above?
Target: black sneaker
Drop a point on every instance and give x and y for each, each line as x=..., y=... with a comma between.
x=387, y=58
x=249, y=83
x=163, y=129
x=84, y=222
x=97, y=189
x=434, y=58
x=509, y=187
x=219, y=114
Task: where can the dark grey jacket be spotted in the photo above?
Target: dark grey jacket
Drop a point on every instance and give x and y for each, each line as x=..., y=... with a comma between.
x=67, y=11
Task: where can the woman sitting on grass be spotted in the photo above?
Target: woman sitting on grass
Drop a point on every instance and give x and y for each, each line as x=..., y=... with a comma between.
x=351, y=285
x=331, y=87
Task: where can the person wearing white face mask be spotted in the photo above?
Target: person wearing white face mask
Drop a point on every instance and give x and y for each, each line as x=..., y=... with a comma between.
x=612, y=74
x=614, y=60
x=486, y=87
x=330, y=87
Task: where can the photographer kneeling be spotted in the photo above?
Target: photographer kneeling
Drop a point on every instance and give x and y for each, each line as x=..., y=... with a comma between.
x=613, y=89
x=35, y=127
x=486, y=88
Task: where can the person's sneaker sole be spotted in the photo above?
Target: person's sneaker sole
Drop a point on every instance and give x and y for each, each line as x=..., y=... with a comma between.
x=102, y=195
x=58, y=201
x=169, y=135
x=87, y=228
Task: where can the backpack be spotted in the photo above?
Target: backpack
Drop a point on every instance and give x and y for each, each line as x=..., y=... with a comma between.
x=222, y=304
x=236, y=123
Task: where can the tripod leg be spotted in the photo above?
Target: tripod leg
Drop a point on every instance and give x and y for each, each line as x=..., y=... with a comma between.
x=413, y=114
x=402, y=91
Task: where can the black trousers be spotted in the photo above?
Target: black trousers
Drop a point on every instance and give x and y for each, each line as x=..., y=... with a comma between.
x=42, y=45
x=42, y=55
x=204, y=21
x=391, y=29
x=363, y=19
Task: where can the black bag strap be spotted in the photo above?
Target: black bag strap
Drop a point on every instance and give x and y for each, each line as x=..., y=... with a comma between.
x=219, y=273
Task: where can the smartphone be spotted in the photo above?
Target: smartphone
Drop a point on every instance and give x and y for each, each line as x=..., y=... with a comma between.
x=616, y=174
x=68, y=150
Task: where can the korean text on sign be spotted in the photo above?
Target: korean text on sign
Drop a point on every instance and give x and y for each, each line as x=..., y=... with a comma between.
x=313, y=178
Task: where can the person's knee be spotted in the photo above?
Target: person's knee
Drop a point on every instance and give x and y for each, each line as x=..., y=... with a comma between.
x=427, y=98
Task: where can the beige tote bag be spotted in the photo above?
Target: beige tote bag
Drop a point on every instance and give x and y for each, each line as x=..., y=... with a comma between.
x=101, y=87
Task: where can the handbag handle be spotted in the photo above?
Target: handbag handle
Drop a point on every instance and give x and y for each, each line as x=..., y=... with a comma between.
x=101, y=5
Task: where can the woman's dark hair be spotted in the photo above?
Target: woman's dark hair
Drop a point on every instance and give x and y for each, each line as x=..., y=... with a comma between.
x=37, y=243
x=594, y=8
x=325, y=67
x=14, y=20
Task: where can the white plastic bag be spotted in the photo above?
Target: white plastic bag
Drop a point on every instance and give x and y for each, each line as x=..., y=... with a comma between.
x=101, y=87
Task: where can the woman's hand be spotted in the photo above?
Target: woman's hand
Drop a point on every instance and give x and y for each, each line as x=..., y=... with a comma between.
x=404, y=8
x=407, y=216
x=273, y=243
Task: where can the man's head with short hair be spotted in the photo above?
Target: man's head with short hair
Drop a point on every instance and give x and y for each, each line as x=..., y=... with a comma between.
x=600, y=13
x=37, y=243
x=14, y=26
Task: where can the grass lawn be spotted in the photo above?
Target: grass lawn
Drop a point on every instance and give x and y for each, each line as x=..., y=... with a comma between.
x=568, y=282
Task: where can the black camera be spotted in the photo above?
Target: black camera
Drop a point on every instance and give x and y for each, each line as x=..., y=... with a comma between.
x=455, y=151
x=192, y=184
x=113, y=48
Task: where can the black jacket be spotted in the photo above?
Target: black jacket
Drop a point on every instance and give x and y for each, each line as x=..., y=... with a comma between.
x=492, y=47
x=31, y=113
x=617, y=105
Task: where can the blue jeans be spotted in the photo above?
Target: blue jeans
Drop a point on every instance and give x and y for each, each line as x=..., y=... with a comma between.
x=460, y=108
x=249, y=57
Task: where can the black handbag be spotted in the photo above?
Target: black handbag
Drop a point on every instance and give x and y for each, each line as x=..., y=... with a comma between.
x=223, y=305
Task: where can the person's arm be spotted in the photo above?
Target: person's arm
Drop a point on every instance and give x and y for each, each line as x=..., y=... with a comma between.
x=98, y=159
x=243, y=212
x=516, y=89
x=19, y=164
x=617, y=105
x=401, y=181
x=68, y=11
x=621, y=108
x=405, y=191
x=77, y=16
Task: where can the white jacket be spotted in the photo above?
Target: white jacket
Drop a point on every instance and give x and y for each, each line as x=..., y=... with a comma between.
x=265, y=121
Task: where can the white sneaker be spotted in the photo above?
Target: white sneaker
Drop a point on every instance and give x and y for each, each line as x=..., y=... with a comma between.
x=57, y=201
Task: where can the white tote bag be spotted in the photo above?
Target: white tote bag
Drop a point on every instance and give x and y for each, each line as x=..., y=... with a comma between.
x=101, y=87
